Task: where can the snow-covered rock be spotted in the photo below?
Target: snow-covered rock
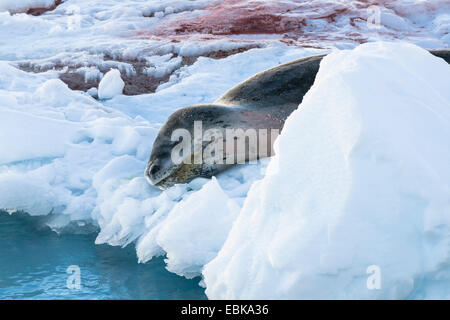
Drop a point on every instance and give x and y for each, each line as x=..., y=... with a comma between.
x=168, y=10
x=24, y=5
x=356, y=202
x=111, y=85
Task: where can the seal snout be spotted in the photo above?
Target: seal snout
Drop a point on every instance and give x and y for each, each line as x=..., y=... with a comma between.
x=152, y=172
x=153, y=169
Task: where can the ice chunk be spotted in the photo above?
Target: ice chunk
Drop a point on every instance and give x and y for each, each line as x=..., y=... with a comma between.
x=196, y=229
x=111, y=85
x=168, y=10
x=54, y=92
x=93, y=92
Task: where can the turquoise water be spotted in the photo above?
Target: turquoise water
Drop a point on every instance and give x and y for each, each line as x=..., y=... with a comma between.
x=34, y=262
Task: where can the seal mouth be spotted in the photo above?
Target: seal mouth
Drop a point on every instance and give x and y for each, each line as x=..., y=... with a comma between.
x=164, y=178
x=156, y=175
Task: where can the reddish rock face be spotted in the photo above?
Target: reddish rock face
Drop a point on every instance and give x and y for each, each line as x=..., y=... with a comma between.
x=234, y=17
x=295, y=22
x=289, y=19
x=241, y=17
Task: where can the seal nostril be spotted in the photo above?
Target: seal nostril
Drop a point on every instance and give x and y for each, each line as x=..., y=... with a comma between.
x=154, y=169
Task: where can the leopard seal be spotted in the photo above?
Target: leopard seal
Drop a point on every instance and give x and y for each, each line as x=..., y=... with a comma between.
x=264, y=101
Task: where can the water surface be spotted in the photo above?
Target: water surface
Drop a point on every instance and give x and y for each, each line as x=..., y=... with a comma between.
x=34, y=262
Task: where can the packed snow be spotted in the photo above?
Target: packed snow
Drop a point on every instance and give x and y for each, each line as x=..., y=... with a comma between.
x=360, y=178
x=80, y=160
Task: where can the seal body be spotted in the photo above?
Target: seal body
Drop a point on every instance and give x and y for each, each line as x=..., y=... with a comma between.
x=260, y=104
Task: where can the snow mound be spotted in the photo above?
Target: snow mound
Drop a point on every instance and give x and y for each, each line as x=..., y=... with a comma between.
x=356, y=203
x=111, y=85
